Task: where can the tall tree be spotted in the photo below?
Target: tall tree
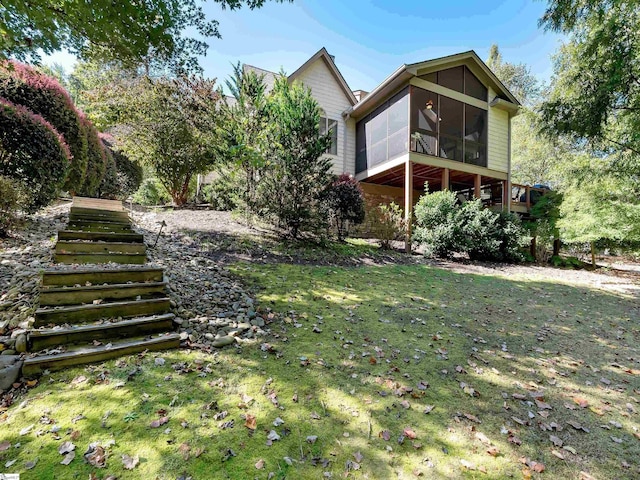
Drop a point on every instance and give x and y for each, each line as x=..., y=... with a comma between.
x=171, y=125
x=299, y=172
x=127, y=30
x=596, y=94
x=245, y=128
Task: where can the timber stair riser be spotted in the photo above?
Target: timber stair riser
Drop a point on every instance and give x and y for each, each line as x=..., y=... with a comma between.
x=87, y=333
x=50, y=297
x=79, y=217
x=89, y=313
x=100, y=236
x=126, y=258
x=36, y=365
x=99, y=214
x=99, y=228
x=63, y=247
x=97, y=277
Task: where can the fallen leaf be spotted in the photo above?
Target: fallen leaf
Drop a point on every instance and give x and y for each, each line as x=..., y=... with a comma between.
x=542, y=405
x=409, y=433
x=616, y=439
x=260, y=464
x=570, y=449
x=581, y=402
x=473, y=418
x=468, y=465
x=159, y=422
x=96, y=455
x=312, y=439
x=537, y=467
x=66, y=447
x=358, y=456
x=515, y=440
x=75, y=435
x=493, y=451
x=558, y=454
x=405, y=404
x=556, y=440
x=250, y=422
x=26, y=430
x=130, y=462
x=4, y=446
x=30, y=464
x=68, y=458
x=185, y=450
x=429, y=408
x=273, y=436
x=385, y=435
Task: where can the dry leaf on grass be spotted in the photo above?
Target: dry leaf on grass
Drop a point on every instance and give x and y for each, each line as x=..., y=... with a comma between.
x=250, y=422
x=130, y=462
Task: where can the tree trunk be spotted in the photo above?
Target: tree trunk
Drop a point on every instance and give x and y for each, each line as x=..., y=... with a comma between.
x=593, y=255
x=533, y=247
x=556, y=247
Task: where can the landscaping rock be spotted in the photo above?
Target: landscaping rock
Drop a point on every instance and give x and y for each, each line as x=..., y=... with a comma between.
x=21, y=343
x=223, y=341
x=10, y=366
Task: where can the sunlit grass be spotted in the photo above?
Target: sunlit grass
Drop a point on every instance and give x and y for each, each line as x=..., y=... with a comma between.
x=358, y=354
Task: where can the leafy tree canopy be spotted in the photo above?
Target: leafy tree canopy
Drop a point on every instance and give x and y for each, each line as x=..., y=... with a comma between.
x=596, y=87
x=127, y=30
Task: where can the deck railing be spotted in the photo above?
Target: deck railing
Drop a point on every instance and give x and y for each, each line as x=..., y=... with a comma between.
x=525, y=195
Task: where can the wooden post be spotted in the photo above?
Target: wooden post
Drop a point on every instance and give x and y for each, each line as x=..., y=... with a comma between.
x=445, y=179
x=478, y=186
x=408, y=203
x=527, y=193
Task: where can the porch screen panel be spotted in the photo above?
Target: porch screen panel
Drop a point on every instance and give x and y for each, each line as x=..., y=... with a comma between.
x=451, y=127
x=384, y=133
x=424, y=121
x=398, y=125
x=475, y=136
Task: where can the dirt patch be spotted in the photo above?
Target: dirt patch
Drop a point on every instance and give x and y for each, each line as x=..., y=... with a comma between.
x=222, y=237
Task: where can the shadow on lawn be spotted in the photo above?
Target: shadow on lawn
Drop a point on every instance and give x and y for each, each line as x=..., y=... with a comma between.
x=556, y=338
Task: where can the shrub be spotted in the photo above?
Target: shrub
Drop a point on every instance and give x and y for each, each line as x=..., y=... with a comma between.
x=9, y=200
x=128, y=172
x=435, y=226
x=444, y=228
x=97, y=159
x=388, y=223
x=43, y=95
x=32, y=153
x=109, y=187
x=222, y=193
x=345, y=201
x=151, y=192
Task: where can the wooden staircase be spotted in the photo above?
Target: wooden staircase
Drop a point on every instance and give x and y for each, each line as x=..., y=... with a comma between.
x=94, y=314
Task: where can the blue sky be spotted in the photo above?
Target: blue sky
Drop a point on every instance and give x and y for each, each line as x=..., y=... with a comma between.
x=371, y=38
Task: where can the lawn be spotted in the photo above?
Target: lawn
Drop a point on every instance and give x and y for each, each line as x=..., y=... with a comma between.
x=372, y=372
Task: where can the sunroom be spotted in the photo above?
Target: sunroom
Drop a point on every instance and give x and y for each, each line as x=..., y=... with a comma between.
x=440, y=124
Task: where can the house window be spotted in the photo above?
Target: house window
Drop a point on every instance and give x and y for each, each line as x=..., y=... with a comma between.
x=330, y=126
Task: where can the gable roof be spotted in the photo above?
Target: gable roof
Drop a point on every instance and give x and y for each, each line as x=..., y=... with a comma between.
x=405, y=72
x=331, y=65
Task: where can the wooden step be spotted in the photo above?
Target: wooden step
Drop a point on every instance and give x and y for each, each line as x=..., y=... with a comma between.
x=99, y=227
x=83, y=217
x=59, y=278
x=89, y=257
x=100, y=236
x=99, y=213
x=40, y=339
x=90, y=354
x=99, y=247
x=119, y=291
x=89, y=313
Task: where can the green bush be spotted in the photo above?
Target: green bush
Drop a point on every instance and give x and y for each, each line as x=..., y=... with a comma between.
x=345, y=201
x=32, y=153
x=128, y=172
x=9, y=200
x=97, y=160
x=566, y=262
x=43, y=95
x=388, y=223
x=435, y=226
x=443, y=228
x=109, y=185
x=223, y=193
x=151, y=192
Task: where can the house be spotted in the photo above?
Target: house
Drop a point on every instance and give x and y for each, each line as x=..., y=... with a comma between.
x=439, y=124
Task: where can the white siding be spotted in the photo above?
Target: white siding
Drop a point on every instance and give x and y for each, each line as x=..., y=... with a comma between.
x=498, y=133
x=333, y=101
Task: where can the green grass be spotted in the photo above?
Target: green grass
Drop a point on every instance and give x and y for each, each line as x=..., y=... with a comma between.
x=384, y=330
